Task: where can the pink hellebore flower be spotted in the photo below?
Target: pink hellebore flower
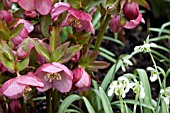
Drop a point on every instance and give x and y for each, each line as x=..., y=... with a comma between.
x=75, y=18
x=7, y=4
x=15, y=106
x=115, y=25
x=55, y=75
x=14, y=88
x=28, y=27
x=4, y=14
x=42, y=6
x=132, y=13
x=81, y=79
x=30, y=14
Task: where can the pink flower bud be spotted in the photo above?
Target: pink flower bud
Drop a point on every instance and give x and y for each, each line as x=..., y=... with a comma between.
x=115, y=24
x=76, y=57
x=7, y=3
x=131, y=10
x=30, y=14
x=15, y=106
x=5, y=15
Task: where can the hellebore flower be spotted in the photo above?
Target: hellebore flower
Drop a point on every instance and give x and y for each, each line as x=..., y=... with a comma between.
x=5, y=15
x=7, y=4
x=133, y=15
x=81, y=79
x=28, y=27
x=15, y=88
x=15, y=106
x=55, y=75
x=75, y=18
x=42, y=6
x=115, y=25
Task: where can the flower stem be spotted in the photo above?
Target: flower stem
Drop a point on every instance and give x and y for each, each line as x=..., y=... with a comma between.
x=56, y=96
x=48, y=101
x=23, y=106
x=136, y=100
x=101, y=32
x=121, y=104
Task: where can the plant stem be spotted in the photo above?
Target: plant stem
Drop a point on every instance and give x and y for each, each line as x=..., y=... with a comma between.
x=101, y=32
x=55, y=100
x=136, y=100
x=48, y=101
x=23, y=106
x=121, y=104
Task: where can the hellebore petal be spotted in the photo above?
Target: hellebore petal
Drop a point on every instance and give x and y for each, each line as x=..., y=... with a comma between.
x=27, y=5
x=7, y=3
x=63, y=85
x=50, y=68
x=115, y=25
x=58, y=8
x=133, y=23
x=27, y=25
x=84, y=82
x=5, y=15
x=15, y=106
x=43, y=6
x=76, y=57
x=131, y=10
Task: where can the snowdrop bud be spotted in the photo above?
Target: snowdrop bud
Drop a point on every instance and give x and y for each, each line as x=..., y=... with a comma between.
x=154, y=74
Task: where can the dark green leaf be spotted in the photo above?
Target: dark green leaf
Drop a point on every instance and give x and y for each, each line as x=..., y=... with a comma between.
x=45, y=25
x=22, y=64
x=74, y=3
x=98, y=65
x=4, y=31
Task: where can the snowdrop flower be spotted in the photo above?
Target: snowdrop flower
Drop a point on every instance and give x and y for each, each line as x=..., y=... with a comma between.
x=126, y=62
x=165, y=94
x=154, y=74
x=138, y=88
x=145, y=48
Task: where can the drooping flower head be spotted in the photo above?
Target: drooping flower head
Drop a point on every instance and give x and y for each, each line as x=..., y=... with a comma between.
x=115, y=24
x=55, y=75
x=16, y=87
x=81, y=79
x=15, y=106
x=75, y=18
x=4, y=14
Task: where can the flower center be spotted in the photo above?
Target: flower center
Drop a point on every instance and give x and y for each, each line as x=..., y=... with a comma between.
x=52, y=76
x=27, y=89
x=74, y=22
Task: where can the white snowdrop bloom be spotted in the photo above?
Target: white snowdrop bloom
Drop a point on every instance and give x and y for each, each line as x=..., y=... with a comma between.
x=145, y=47
x=154, y=74
x=165, y=94
x=142, y=91
x=126, y=62
x=138, y=88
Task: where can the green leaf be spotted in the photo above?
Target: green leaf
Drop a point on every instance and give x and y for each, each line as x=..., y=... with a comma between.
x=41, y=49
x=164, y=107
x=143, y=3
x=13, y=22
x=22, y=64
x=105, y=102
x=1, y=5
x=46, y=21
x=88, y=105
x=16, y=30
x=4, y=31
x=70, y=53
x=74, y=3
x=59, y=52
x=145, y=82
x=67, y=102
x=98, y=65
x=6, y=61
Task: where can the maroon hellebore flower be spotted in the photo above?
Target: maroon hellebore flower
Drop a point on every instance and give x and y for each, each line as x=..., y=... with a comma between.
x=42, y=6
x=55, y=75
x=81, y=79
x=28, y=27
x=76, y=57
x=4, y=14
x=133, y=15
x=115, y=25
x=30, y=14
x=75, y=18
x=7, y=4
x=15, y=88
x=15, y=106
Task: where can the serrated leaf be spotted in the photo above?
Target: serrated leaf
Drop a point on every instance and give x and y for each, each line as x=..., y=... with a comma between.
x=67, y=102
x=4, y=31
x=6, y=62
x=16, y=30
x=143, y=3
x=59, y=52
x=46, y=21
x=22, y=64
x=70, y=52
x=41, y=49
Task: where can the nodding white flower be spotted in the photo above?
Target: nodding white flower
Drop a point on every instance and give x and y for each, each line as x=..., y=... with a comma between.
x=138, y=88
x=145, y=47
x=165, y=94
x=126, y=62
x=154, y=74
